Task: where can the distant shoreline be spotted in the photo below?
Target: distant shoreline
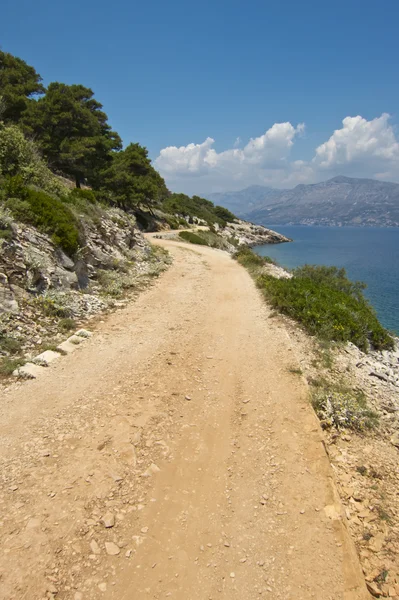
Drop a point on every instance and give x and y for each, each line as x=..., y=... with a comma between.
x=325, y=226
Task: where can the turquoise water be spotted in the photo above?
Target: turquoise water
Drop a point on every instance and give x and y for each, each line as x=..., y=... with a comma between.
x=368, y=254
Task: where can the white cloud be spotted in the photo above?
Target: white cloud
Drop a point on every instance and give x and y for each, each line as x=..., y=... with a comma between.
x=360, y=148
x=271, y=147
x=359, y=140
x=186, y=159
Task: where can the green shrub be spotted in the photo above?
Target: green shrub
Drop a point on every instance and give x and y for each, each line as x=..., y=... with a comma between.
x=224, y=214
x=214, y=240
x=6, y=234
x=66, y=324
x=52, y=307
x=6, y=230
x=193, y=238
x=173, y=222
x=249, y=259
x=112, y=283
x=233, y=241
x=9, y=345
x=196, y=207
x=327, y=304
x=50, y=215
x=88, y=195
x=331, y=276
x=51, y=346
x=21, y=210
x=8, y=365
x=83, y=204
x=20, y=156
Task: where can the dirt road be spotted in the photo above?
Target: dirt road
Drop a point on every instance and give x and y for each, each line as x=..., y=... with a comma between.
x=173, y=455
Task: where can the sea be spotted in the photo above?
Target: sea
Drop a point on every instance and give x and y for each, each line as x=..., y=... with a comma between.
x=368, y=254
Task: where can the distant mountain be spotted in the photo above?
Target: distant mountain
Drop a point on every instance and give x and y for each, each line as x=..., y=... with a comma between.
x=339, y=201
x=244, y=200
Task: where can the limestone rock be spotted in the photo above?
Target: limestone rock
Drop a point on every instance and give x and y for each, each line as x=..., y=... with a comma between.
x=152, y=470
x=84, y=333
x=45, y=358
x=95, y=548
x=28, y=371
x=108, y=520
x=112, y=549
x=395, y=439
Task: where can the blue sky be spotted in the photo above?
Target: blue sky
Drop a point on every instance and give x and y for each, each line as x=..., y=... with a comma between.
x=173, y=74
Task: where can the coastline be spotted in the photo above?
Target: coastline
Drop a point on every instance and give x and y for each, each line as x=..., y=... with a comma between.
x=370, y=255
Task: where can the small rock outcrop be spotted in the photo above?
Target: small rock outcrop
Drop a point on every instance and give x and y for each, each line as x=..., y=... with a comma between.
x=251, y=235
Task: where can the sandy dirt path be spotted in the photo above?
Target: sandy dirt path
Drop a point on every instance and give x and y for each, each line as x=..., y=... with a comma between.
x=173, y=455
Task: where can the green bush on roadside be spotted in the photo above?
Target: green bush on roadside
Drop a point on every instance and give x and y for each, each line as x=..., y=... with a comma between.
x=249, y=259
x=52, y=306
x=327, y=304
x=193, y=238
x=8, y=365
x=214, y=240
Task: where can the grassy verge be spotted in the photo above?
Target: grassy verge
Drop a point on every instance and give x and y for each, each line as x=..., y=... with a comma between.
x=252, y=261
x=208, y=238
x=192, y=238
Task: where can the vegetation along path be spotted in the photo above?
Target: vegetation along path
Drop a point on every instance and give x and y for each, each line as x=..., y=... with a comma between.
x=173, y=455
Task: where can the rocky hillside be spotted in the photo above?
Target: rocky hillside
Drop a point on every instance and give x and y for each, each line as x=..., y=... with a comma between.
x=339, y=201
x=44, y=293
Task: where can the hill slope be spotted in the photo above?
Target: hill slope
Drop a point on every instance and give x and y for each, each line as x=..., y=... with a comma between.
x=338, y=201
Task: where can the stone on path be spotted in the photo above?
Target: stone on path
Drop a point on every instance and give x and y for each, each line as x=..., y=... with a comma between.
x=395, y=439
x=108, y=520
x=28, y=371
x=45, y=358
x=152, y=469
x=112, y=549
x=70, y=344
x=95, y=548
x=84, y=333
